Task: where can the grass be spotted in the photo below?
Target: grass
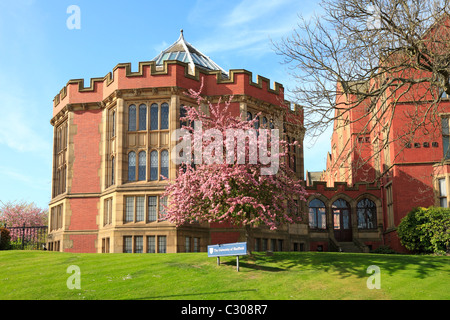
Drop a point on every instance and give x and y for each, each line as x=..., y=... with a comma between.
x=38, y=275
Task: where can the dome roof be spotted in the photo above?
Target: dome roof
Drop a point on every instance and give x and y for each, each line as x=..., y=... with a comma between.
x=183, y=51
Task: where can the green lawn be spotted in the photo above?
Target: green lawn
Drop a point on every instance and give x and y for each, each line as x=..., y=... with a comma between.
x=41, y=275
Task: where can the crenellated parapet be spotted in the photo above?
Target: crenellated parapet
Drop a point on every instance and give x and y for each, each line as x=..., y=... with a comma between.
x=172, y=73
x=342, y=188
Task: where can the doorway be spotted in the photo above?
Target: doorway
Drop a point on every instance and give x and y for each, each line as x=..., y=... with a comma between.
x=342, y=221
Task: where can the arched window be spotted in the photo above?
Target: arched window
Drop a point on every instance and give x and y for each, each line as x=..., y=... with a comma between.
x=367, y=214
x=132, y=118
x=142, y=166
x=165, y=163
x=264, y=122
x=154, y=165
x=164, y=116
x=142, y=117
x=317, y=217
x=257, y=123
x=154, y=117
x=132, y=166
x=249, y=116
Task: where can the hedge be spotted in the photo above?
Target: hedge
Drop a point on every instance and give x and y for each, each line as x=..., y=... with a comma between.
x=4, y=239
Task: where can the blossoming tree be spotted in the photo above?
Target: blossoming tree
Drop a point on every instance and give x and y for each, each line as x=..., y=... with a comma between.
x=241, y=186
x=16, y=214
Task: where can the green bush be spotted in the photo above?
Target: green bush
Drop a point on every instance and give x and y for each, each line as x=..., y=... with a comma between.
x=384, y=250
x=411, y=236
x=437, y=229
x=4, y=239
x=426, y=230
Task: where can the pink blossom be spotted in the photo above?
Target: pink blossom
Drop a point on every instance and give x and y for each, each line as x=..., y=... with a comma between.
x=15, y=214
x=236, y=193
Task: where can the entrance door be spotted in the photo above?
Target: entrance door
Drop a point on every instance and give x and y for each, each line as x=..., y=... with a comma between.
x=342, y=221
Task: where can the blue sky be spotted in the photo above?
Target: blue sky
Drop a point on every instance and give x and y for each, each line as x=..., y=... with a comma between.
x=39, y=54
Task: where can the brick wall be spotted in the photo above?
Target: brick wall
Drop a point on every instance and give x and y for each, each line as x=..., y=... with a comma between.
x=86, y=140
x=83, y=243
x=224, y=237
x=84, y=213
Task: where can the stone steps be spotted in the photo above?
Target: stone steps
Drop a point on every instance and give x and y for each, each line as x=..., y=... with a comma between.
x=349, y=247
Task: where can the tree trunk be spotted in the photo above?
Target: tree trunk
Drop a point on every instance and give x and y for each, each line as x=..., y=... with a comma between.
x=249, y=238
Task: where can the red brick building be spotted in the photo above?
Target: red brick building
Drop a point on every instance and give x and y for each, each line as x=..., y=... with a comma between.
x=112, y=141
x=401, y=143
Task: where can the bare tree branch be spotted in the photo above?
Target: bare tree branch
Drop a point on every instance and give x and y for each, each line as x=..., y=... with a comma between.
x=362, y=61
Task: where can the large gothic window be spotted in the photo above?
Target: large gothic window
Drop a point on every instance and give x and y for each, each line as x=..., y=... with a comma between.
x=367, y=214
x=317, y=217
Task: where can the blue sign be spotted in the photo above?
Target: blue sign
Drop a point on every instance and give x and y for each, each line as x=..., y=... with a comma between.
x=227, y=249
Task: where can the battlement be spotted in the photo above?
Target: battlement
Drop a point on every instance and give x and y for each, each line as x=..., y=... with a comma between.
x=172, y=74
x=321, y=186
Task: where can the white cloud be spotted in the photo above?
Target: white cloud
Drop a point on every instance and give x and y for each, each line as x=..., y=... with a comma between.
x=19, y=129
x=20, y=184
x=246, y=39
x=24, y=178
x=246, y=27
x=250, y=10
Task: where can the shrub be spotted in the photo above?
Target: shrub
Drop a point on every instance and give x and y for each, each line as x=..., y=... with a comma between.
x=426, y=230
x=384, y=250
x=437, y=228
x=4, y=239
x=411, y=236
